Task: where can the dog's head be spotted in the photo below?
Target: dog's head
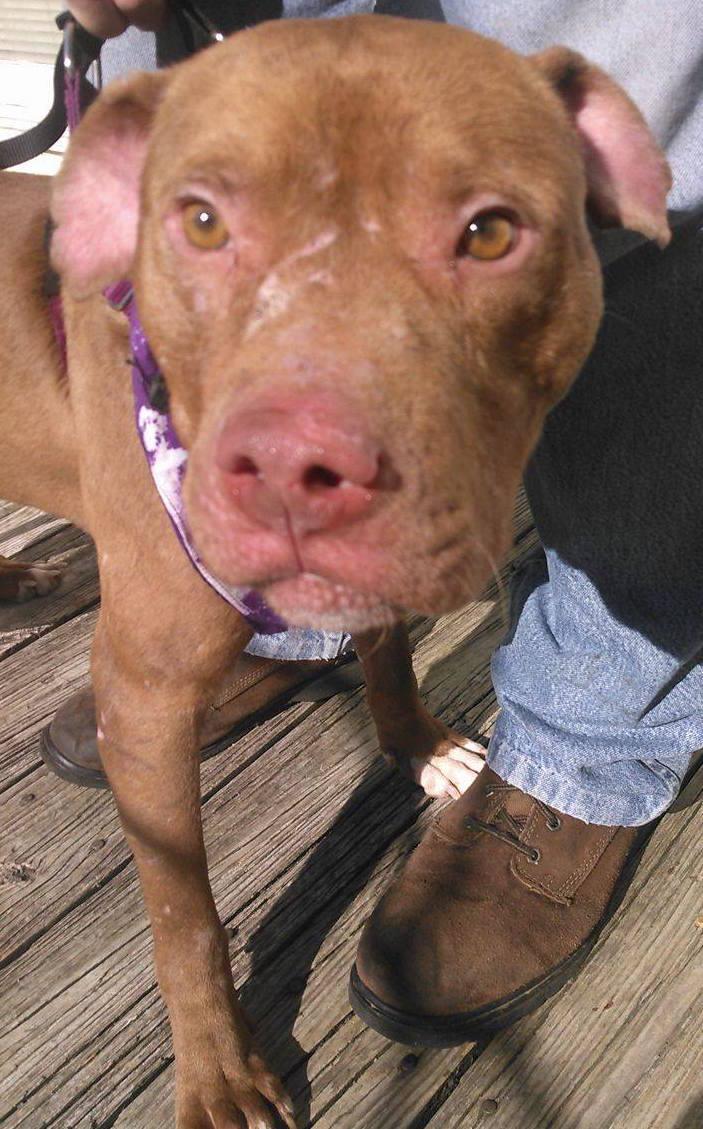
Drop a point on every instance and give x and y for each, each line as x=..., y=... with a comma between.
x=361, y=254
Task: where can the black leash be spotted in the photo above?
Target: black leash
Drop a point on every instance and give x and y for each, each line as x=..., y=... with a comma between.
x=77, y=53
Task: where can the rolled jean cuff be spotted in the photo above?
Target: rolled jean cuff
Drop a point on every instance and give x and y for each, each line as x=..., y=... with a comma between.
x=299, y=643
x=643, y=793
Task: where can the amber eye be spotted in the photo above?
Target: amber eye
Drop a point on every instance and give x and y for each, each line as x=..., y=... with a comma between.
x=203, y=227
x=489, y=235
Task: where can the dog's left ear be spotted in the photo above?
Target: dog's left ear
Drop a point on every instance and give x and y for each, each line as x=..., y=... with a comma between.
x=627, y=175
x=95, y=200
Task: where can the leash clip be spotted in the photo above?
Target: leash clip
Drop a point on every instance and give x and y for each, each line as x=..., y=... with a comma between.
x=201, y=21
x=70, y=59
x=79, y=48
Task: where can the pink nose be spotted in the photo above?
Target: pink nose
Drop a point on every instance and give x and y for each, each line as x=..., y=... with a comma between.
x=306, y=465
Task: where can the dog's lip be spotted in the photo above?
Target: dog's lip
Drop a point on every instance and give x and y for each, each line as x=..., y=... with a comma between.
x=310, y=600
x=338, y=574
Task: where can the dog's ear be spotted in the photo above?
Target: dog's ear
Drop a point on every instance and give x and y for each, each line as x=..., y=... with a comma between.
x=627, y=175
x=96, y=194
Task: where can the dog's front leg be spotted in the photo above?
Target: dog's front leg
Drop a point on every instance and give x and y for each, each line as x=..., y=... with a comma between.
x=440, y=761
x=148, y=737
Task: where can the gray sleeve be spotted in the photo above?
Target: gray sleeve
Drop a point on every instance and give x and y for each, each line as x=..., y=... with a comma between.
x=653, y=49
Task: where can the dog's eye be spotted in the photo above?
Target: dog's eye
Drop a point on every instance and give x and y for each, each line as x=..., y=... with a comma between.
x=203, y=227
x=489, y=235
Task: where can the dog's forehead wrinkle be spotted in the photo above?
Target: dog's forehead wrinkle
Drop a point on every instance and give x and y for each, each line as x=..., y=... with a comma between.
x=347, y=84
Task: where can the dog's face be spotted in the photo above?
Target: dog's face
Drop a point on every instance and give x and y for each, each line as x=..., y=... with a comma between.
x=363, y=264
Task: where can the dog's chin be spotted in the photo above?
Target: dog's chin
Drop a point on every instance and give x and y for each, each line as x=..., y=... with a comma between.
x=307, y=600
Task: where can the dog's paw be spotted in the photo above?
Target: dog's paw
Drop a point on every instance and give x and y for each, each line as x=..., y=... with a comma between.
x=20, y=580
x=451, y=769
x=39, y=580
x=250, y=1098
x=442, y=762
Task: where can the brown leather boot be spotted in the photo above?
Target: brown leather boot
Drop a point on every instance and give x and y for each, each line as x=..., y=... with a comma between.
x=496, y=909
x=69, y=744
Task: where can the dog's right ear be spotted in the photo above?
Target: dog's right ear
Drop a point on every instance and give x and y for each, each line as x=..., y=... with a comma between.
x=96, y=195
x=627, y=175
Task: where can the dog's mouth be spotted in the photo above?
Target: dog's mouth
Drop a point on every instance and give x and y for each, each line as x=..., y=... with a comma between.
x=404, y=555
x=343, y=583
x=309, y=600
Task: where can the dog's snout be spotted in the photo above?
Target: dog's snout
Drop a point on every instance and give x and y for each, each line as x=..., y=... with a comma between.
x=302, y=466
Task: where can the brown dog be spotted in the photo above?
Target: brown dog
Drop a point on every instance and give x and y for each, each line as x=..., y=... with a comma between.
x=360, y=251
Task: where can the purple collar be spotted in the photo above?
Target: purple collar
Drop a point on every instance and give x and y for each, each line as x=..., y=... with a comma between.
x=168, y=460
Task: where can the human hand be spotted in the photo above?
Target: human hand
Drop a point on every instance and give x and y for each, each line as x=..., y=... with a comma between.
x=107, y=18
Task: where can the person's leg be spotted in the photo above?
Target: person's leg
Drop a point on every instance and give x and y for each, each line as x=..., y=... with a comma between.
x=599, y=712
x=602, y=703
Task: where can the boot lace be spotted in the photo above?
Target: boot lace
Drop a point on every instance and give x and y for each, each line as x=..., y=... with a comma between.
x=512, y=828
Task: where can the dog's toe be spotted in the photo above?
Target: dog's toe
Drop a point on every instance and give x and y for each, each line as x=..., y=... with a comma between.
x=453, y=768
x=39, y=580
x=252, y=1100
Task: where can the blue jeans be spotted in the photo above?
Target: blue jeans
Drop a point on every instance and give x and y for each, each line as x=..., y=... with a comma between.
x=601, y=695
x=601, y=703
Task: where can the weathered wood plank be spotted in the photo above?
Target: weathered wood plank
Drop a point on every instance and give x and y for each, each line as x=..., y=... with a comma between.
x=589, y=1059
x=668, y=1094
x=86, y=1026
x=73, y=841
x=22, y=526
x=33, y=684
x=271, y=797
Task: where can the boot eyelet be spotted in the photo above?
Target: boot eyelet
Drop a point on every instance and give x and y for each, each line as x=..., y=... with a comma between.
x=554, y=825
x=534, y=856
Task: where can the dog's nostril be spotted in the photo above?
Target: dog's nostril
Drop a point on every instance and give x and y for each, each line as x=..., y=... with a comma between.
x=245, y=465
x=321, y=478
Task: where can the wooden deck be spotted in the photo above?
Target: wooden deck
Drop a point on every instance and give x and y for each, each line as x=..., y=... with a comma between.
x=304, y=828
